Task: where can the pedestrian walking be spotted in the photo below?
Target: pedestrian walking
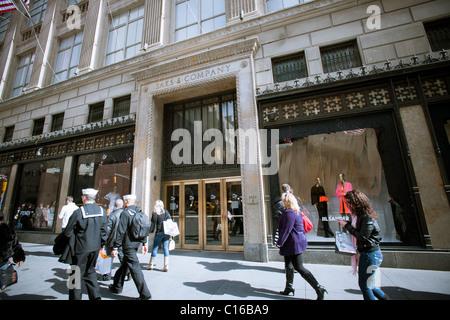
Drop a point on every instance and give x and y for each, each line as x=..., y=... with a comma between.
x=368, y=236
x=66, y=211
x=112, y=226
x=130, y=244
x=292, y=243
x=88, y=227
x=278, y=208
x=9, y=246
x=159, y=215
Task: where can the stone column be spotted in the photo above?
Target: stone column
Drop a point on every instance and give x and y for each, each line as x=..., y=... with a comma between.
x=148, y=150
x=7, y=54
x=46, y=39
x=152, y=23
x=66, y=173
x=8, y=209
x=429, y=180
x=93, y=36
x=255, y=237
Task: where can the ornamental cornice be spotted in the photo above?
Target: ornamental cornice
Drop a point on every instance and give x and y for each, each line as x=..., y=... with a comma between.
x=248, y=46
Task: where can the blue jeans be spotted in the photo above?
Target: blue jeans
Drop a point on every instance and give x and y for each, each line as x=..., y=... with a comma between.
x=160, y=237
x=369, y=263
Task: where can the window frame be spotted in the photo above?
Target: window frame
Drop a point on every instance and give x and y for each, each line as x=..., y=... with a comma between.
x=198, y=20
x=113, y=35
x=352, y=44
x=93, y=112
x=9, y=133
x=70, y=70
x=38, y=126
x=300, y=56
x=24, y=81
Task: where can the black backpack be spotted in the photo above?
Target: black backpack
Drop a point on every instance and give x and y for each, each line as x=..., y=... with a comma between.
x=140, y=225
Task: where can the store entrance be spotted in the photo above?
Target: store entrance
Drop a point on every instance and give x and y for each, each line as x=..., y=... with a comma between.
x=208, y=212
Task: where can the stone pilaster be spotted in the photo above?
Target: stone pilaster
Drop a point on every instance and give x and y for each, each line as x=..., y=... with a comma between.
x=152, y=23
x=94, y=30
x=429, y=180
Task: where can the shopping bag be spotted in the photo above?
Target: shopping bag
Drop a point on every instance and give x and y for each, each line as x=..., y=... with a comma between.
x=171, y=244
x=8, y=277
x=307, y=224
x=171, y=228
x=343, y=243
x=104, y=264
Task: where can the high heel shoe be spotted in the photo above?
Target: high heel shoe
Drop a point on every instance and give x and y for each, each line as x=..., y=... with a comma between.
x=287, y=291
x=320, y=290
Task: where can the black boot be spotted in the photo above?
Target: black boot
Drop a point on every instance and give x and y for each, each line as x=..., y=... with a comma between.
x=289, y=282
x=320, y=290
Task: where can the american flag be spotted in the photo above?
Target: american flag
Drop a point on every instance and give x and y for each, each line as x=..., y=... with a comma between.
x=6, y=6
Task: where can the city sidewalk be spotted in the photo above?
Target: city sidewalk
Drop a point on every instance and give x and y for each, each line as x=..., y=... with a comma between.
x=206, y=275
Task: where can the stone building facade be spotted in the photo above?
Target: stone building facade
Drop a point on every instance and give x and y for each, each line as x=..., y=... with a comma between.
x=108, y=94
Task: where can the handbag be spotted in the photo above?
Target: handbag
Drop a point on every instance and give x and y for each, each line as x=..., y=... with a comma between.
x=171, y=244
x=307, y=224
x=8, y=277
x=104, y=264
x=343, y=243
x=171, y=228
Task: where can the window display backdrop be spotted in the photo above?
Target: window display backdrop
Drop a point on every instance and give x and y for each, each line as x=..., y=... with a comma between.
x=352, y=153
x=366, y=149
x=109, y=172
x=37, y=196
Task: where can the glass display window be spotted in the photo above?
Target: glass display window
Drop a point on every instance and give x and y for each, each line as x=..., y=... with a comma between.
x=322, y=168
x=37, y=196
x=108, y=172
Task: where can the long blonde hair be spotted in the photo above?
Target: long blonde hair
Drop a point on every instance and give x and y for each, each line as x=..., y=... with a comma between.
x=159, y=207
x=290, y=202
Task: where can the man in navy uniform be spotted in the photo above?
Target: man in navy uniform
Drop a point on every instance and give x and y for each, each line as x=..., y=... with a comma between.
x=129, y=247
x=88, y=225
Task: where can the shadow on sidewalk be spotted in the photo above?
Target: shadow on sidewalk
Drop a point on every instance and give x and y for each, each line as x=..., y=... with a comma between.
x=236, y=288
x=397, y=293
x=228, y=266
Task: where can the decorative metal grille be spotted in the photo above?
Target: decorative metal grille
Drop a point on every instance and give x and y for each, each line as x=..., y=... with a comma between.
x=289, y=68
x=340, y=57
x=438, y=33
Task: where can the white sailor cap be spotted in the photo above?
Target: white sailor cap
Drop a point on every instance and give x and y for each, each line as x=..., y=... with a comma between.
x=90, y=192
x=129, y=197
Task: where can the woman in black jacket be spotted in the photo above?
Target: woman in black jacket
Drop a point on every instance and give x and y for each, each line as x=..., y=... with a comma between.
x=9, y=246
x=368, y=237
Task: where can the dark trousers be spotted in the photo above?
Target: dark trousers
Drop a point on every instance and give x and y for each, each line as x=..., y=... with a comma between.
x=131, y=264
x=295, y=262
x=85, y=263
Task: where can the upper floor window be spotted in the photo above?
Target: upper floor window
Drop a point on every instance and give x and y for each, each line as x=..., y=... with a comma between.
x=276, y=5
x=121, y=106
x=57, y=121
x=4, y=23
x=195, y=17
x=8, y=134
x=125, y=35
x=289, y=68
x=23, y=74
x=96, y=112
x=38, y=127
x=68, y=57
x=37, y=12
x=340, y=57
x=438, y=33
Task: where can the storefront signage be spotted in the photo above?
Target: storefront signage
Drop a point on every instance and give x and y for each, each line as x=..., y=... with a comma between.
x=200, y=75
